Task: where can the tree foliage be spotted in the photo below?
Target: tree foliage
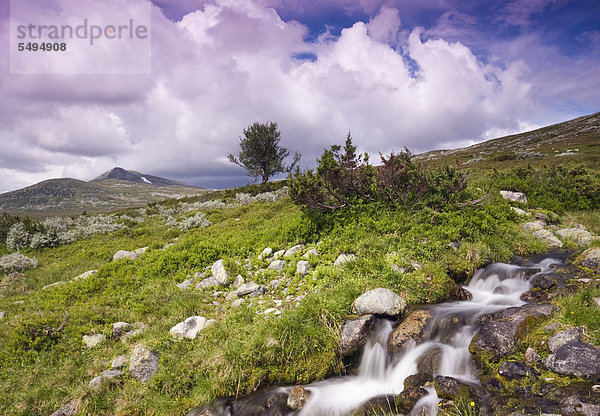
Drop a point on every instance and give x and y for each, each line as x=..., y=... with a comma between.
x=261, y=154
x=344, y=179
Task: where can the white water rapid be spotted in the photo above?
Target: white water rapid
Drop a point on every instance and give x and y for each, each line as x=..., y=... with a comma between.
x=495, y=288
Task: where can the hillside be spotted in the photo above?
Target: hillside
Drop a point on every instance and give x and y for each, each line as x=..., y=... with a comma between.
x=576, y=140
x=109, y=192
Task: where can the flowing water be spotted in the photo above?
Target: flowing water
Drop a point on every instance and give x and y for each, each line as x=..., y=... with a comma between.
x=495, y=288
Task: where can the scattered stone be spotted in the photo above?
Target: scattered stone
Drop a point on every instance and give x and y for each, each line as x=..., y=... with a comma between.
x=243, y=290
x=278, y=254
x=277, y=265
x=379, y=301
x=185, y=284
x=2, y=315
x=237, y=303
x=296, y=249
x=581, y=236
x=85, y=275
x=519, y=211
x=414, y=326
x=310, y=253
x=265, y=253
x=500, y=330
x=207, y=283
x=354, y=333
x=532, y=357
x=188, y=328
x=143, y=363
x=273, y=311
x=106, y=375
x=238, y=281
x=51, y=285
x=534, y=226
x=446, y=387
x=120, y=328
x=398, y=269
x=123, y=254
x=92, y=341
x=303, y=267
x=551, y=327
x=514, y=370
x=590, y=258
x=275, y=283
x=219, y=272
x=573, y=406
x=561, y=338
x=297, y=398
x=120, y=361
x=576, y=359
x=141, y=251
x=596, y=388
x=537, y=296
x=547, y=237
x=597, y=300
x=69, y=409
x=514, y=196
x=344, y=259
x=131, y=334
x=543, y=282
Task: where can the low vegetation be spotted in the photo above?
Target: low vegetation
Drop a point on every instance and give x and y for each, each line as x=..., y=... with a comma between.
x=415, y=230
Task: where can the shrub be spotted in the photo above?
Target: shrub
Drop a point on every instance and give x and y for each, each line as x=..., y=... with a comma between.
x=40, y=240
x=347, y=179
x=18, y=238
x=16, y=262
x=197, y=221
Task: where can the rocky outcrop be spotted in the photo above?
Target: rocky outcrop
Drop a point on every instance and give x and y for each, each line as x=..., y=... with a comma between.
x=590, y=258
x=354, y=333
x=243, y=290
x=575, y=358
x=123, y=254
x=581, y=236
x=563, y=337
x=499, y=331
x=573, y=406
x=413, y=327
x=514, y=196
x=143, y=363
x=548, y=238
x=379, y=301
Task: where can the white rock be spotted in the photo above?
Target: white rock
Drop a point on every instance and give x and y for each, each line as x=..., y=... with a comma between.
x=123, y=254
x=265, y=253
x=303, y=267
x=120, y=328
x=519, y=211
x=208, y=282
x=243, y=290
x=92, y=341
x=548, y=238
x=534, y=226
x=278, y=254
x=583, y=237
x=296, y=249
x=2, y=315
x=237, y=303
x=106, y=375
x=185, y=284
x=120, y=361
x=219, y=272
x=343, y=259
x=141, y=251
x=310, y=253
x=277, y=265
x=514, y=196
x=51, y=285
x=85, y=275
x=188, y=328
x=379, y=301
x=273, y=311
x=238, y=281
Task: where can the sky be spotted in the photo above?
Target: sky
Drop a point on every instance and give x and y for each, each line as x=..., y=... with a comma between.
x=420, y=74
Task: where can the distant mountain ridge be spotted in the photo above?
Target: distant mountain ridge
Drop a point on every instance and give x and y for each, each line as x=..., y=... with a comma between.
x=115, y=189
x=121, y=174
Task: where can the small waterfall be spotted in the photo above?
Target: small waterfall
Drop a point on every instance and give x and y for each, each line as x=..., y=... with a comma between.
x=494, y=288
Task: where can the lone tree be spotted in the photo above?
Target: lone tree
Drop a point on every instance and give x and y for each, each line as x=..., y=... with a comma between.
x=261, y=154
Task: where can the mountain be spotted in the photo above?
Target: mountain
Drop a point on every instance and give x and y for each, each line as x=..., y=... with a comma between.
x=121, y=174
x=559, y=142
x=113, y=190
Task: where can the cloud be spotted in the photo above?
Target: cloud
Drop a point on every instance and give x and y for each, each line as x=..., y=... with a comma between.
x=230, y=63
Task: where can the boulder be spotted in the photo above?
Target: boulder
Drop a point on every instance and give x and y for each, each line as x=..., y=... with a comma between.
x=278, y=254
x=243, y=290
x=185, y=284
x=92, y=341
x=563, y=337
x=123, y=254
x=448, y=387
x=297, y=398
x=354, y=333
x=534, y=226
x=590, y=258
x=96, y=383
x=573, y=406
x=294, y=250
x=310, y=253
x=188, y=328
x=519, y=211
x=143, y=363
x=120, y=328
x=69, y=409
x=238, y=281
x=514, y=196
x=85, y=275
x=141, y=250
x=208, y=282
x=343, y=259
x=575, y=358
x=277, y=265
x=379, y=301
x=265, y=253
x=459, y=293
x=547, y=237
x=303, y=267
x=499, y=331
x=131, y=334
x=408, y=398
x=413, y=327
x=544, y=282
x=532, y=357
x=430, y=361
x=417, y=380
x=581, y=236
x=513, y=370
x=120, y=361
x=219, y=272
